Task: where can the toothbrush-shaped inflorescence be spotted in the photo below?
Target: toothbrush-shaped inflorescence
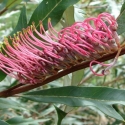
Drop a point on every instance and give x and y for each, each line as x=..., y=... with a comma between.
x=35, y=55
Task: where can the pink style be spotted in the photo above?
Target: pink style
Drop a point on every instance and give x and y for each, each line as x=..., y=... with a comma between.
x=35, y=55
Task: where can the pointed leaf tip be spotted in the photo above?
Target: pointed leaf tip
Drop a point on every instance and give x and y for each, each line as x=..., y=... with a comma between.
x=61, y=114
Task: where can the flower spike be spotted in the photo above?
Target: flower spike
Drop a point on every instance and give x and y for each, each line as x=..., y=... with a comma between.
x=34, y=55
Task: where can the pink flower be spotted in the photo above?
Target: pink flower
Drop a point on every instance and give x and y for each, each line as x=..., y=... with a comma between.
x=33, y=56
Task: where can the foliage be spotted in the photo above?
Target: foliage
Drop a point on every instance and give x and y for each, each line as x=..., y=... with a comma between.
x=76, y=97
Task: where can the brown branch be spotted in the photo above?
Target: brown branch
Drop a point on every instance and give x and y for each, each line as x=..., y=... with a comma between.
x=6, y=8
x=15, y=87
x=24, y=88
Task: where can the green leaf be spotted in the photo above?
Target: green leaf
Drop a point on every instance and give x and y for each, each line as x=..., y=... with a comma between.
x=22, y=121
x=8, y=103
x=100, y=97
x=22, y=22
x=122, y=8
x=121, y=20
x=50, y=9
x=67, y=80
x=104, y=94
x=77, y=77
x=2, y=75
x=3, y=122
x=61, y=114
x=69, y=16
x=109, y=110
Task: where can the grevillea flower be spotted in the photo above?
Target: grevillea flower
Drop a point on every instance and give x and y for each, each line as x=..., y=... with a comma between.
x=35, y=55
